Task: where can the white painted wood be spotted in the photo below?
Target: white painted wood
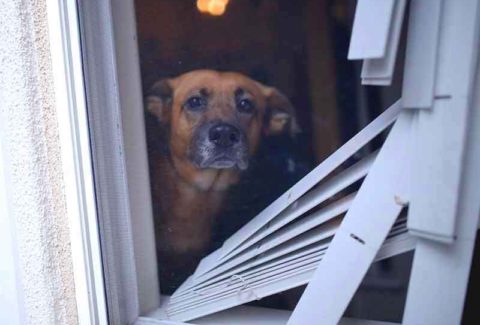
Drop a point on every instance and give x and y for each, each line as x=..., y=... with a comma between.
x=421, y=53
x=440, y=272
x=360, y=235
x=135, y=148
x=371, y=27
x=441, y=133
x=76, y=160
x=438, y=151
x=458, y=49
x=379, y=72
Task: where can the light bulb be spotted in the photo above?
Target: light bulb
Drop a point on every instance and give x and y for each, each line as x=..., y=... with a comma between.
x=213, y=7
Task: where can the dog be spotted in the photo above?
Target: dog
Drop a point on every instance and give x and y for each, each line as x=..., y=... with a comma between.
x=210, y=124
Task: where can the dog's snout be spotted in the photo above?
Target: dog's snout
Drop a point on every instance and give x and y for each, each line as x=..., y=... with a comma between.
x=224, y=135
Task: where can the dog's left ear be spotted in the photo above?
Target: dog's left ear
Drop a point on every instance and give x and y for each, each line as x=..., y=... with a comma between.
x=280, y=117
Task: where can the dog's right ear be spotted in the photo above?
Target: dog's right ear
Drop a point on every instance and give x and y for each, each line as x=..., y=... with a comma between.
x=159, y=100
x=280, y=114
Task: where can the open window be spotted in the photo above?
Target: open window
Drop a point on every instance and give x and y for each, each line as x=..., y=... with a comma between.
x=373, y=186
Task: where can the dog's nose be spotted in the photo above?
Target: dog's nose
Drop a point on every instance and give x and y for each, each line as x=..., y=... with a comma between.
x=224, y=135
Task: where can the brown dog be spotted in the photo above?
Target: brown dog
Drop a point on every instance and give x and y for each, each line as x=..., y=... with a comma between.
x=212, y=123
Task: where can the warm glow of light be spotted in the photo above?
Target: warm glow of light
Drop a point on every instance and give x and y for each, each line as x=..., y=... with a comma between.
x=202, y=5
x=213, y=7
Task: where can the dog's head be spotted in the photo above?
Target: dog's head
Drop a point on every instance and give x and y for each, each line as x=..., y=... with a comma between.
x=215, y=120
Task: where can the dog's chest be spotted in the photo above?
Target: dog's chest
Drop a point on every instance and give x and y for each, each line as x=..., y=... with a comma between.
x=184, y=214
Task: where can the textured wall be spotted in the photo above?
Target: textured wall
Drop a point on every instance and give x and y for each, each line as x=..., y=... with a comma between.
x=29, y=127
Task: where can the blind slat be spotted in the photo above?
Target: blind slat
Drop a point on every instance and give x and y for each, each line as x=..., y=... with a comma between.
x=371, y=28
x=279, y=282
x=379, y=72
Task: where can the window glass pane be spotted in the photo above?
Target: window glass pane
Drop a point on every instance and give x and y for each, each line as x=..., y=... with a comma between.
x=223, y=146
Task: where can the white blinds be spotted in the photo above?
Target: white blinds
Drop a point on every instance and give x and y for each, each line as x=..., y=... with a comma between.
x=421, y=53
x=376, y=37
x=252, y=282
x=371, y=29
x=363, y=230
x=305, y=184
x=282, y=246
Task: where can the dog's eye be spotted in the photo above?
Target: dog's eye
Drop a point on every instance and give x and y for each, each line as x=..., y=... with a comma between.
x=245, y=106
x=195, y=103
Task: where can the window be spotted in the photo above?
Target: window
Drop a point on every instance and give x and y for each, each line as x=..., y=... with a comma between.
x=441, y=194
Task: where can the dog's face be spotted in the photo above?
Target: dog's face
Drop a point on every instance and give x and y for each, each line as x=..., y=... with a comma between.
x=216, y=120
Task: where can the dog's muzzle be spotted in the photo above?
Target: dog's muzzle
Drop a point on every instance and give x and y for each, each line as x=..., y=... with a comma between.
x=219, y=145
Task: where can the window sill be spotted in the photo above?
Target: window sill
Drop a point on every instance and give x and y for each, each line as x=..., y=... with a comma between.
x=241, y=315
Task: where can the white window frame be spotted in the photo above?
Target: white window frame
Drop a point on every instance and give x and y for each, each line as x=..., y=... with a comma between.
x=74, y=138
x=118, y=189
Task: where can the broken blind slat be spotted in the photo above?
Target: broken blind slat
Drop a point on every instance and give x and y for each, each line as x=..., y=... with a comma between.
x=283, y=235
x=227, y=283
x=240, y=283
x=393, y=245
x=238, y=277
x=294, y=278
x=298, y=247
x=318, y=240
x=277, y=238
x=311, y=199
x=325, y=168
x=314, y=235
x=243, y=282
x=379, y=72
x=266, y=260
x=361, y=233
x=277, y=283
x=276, y=256
x=421, y=53
x=371, y=28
